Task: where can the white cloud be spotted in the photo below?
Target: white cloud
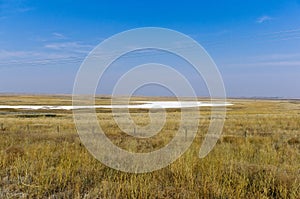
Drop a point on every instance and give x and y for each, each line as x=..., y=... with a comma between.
x=269, y=60
x=4, y=54
x=69, y=46
x=283, y=35
x=59, y=35
x=51, y=53
x=35, y=58
x=263, y=19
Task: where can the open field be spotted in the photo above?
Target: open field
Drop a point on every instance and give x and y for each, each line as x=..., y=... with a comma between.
x=258, y=155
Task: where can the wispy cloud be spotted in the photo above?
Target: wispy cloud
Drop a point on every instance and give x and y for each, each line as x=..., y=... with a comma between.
x=58, y=35
x=269, y=60
x=283, y=35
x=297, y=30
x=277, y=56
x=50, y=54
x=67, y=46
x=37, y=58
x=263, y=19
x=73, y=47
x=5, y=54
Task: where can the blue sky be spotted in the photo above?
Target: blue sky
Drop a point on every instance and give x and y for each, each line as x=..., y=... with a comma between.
x=255, y=44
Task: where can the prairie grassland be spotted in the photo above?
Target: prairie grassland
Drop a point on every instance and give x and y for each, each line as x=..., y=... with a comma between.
x=258, y=156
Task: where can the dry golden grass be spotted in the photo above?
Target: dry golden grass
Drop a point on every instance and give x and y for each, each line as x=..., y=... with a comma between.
x=258, y=155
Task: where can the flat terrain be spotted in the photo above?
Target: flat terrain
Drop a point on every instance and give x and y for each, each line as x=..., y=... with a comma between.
x=258, y=155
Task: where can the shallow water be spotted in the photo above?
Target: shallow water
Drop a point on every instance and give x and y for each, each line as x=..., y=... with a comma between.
x=142, y=105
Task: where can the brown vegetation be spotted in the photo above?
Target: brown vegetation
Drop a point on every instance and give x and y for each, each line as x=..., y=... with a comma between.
x=38, y=159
